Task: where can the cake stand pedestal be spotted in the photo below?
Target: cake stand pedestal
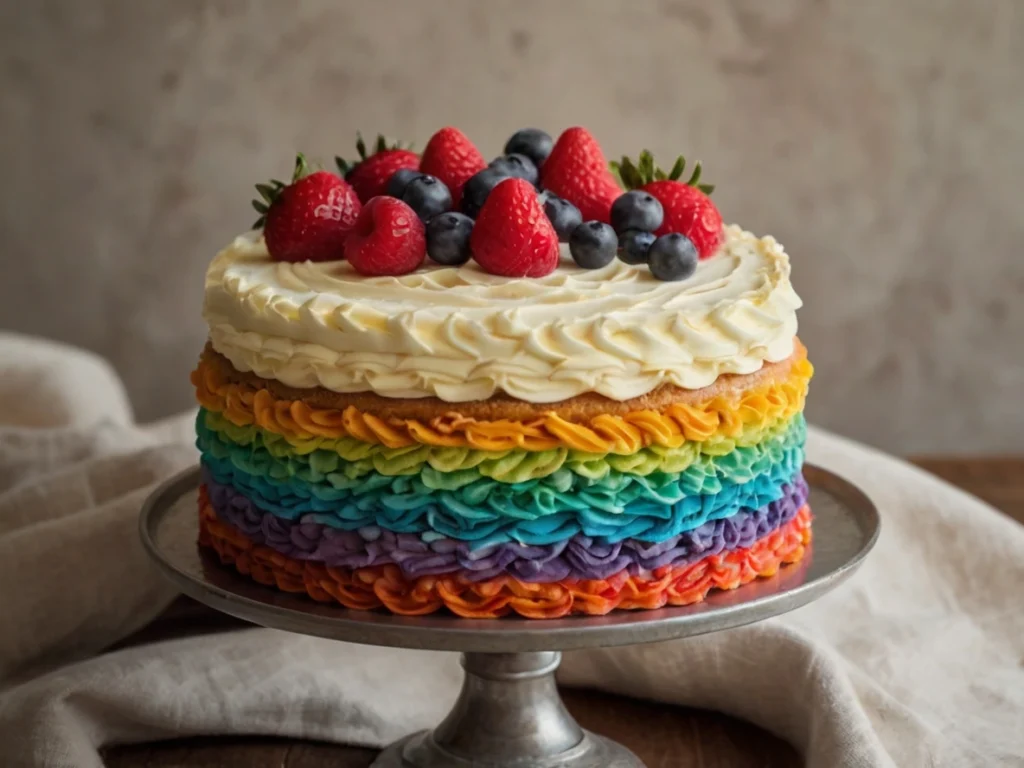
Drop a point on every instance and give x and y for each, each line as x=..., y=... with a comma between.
x=509, y=713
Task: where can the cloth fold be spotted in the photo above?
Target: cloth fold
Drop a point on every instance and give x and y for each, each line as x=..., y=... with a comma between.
x=914, y=662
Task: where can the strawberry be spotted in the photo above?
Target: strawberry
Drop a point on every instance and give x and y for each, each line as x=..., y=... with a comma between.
x=369, y=176
x=388, y=239
x=512, y=235
x=688, y=209
x=309, y=219
x=690, y=212
x=452, y=158
x=577, y=171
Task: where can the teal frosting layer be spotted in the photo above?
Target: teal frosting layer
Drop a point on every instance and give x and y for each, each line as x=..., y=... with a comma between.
x=538, y=516
x=558, y=492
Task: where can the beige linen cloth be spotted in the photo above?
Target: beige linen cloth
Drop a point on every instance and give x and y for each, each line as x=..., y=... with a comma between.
x=915, y=662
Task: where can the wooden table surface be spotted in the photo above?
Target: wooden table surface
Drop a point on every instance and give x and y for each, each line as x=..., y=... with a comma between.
x=662, y=736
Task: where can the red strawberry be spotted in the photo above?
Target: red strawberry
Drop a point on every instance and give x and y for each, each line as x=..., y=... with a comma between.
x=309, y=219
x=388, y=239
x=688, y=209
x=452, y=158
x=512, y=235
x=576, y=170
x=369, y=177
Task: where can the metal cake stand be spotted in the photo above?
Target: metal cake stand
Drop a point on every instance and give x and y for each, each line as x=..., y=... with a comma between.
x=509, y=713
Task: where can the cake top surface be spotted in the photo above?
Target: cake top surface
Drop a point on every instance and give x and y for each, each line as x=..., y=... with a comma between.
x=545, y=274
x=461, y=334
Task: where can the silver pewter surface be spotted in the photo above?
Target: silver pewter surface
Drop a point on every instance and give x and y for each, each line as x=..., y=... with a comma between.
x=846, y=525
x=509, y=713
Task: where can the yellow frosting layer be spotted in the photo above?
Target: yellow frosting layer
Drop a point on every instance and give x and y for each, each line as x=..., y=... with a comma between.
x=354, y=459
x=725, y=415
x=461, y=334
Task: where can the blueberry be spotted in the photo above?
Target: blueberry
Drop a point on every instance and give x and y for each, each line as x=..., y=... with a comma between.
x=637, y=210
x=428, y=196
x=563, y=215
x=448, y=238
x=478, y=188
x=532, y=142
x=398, y=180
x=634, y=245
x=672, y=257
x=519, y=166
x=593, y=245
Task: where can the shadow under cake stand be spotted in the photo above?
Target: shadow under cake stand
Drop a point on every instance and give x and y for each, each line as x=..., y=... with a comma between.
x=509, y=713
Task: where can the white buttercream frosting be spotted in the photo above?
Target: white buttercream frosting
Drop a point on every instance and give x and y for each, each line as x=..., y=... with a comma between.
x=462, y=334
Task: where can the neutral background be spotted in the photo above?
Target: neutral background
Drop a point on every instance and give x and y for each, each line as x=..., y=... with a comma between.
x=881, y=142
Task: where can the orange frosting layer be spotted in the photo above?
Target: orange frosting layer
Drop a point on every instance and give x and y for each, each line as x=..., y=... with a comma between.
x=385, y=586
x=300, y=423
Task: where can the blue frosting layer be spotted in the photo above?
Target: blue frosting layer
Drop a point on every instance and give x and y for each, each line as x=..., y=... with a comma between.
x=444, y=514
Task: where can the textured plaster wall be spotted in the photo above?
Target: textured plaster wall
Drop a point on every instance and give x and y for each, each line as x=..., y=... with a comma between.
x=882, y=142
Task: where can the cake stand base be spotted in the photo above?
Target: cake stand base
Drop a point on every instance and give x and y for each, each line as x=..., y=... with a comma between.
x=509, y=715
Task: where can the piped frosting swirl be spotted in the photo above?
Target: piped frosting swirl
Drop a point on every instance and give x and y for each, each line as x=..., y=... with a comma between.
x=579, y=557
x=460, y=334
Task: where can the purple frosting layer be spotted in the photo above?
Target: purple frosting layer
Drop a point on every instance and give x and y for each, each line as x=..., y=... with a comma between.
x=580, y=557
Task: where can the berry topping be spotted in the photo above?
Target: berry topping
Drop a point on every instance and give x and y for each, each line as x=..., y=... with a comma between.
x=564, y=216
x=519, y=166
x=388, y=239
x=369, y=175
x=593, y=244
x=688, y=209
x=309, y=219
x=512, y=236
x=393, y=208
x=448, y=238
x=672, y=257
x=637, y=209
x=479, y=186
x=399, y=180
x=634, y=245
x=427, y=196
x=452, y=158
x=576, y=170
x=532, y=142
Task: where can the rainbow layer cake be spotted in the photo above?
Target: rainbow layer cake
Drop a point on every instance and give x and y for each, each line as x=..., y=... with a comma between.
x=543, y=386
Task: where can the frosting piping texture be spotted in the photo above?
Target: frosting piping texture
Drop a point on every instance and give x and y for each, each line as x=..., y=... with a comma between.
x=354, y=459
x=459, y=469
x=647, y=491
x=460, y=334
x=561, y=491
x=306, y=426
x=580, y=557
x=448, y=516
x=385, y=586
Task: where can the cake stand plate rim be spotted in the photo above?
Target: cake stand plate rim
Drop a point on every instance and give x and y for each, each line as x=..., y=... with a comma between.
x=846, y=527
